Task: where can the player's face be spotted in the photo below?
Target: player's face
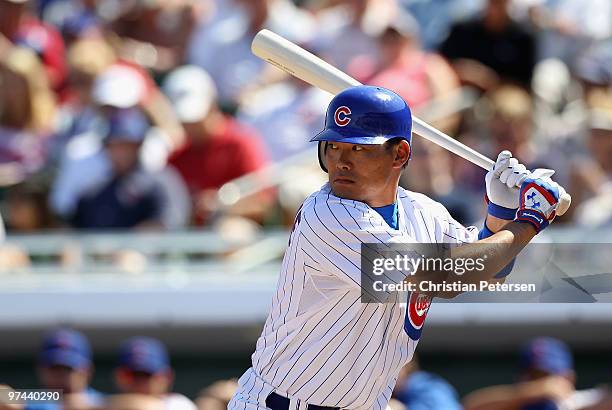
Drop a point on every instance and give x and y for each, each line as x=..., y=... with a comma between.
x=366, y=173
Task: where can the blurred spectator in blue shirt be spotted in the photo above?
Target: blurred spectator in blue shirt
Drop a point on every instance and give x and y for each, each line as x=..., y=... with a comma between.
x=65, y=363
x=131, y=197
x=421, y=390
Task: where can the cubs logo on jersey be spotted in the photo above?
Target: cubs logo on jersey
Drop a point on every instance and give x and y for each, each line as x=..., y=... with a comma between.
x=341, y=116
x=416, y=312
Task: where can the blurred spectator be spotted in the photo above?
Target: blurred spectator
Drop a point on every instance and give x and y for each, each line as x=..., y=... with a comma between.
x=592, y=178
x=76, y=19
x=219, y=148
x=65, y=363
x=154, y=33
x=25, y=109
x=21, y=27
x=436, y=17
x=83, y=162
x=5, y=404
x=507, y=121
x=134, y=402
x=78, y=115
x=125, y=84
x=12, y=258
x=404, y=67
x=546, y=382
x=131, y=197
x=34, y=101
x=421, y=390
x=594, y=66
x=26, y=208
x=491, y=48
x=431, y=171
x=223, y=46
x=217, y=396
x=144, y=368
x=347, y=34
x=286, y=115
x=566, y=27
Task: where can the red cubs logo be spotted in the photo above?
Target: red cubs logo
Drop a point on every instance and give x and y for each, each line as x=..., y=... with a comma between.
x=418, y=305
x=341, y=116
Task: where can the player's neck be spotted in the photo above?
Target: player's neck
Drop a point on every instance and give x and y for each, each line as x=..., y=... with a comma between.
x=388, y=198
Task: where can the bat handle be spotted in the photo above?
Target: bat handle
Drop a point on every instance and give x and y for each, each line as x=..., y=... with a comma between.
x=428, y=132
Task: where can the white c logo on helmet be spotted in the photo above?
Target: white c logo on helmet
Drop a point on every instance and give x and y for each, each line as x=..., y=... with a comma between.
x=341, y=116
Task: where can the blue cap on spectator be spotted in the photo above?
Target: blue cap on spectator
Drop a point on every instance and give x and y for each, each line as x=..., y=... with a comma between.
x=129, y=124
x=77, y=24
x=65, y=347
x=144, y=354
x=548, y=355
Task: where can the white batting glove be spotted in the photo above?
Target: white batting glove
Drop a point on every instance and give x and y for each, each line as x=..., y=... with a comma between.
x=503, y=183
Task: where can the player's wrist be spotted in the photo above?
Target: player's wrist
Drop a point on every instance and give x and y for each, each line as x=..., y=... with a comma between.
x=494, y=224
x=499, y=211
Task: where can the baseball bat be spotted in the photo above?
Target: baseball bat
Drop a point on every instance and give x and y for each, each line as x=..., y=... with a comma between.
x=304, y=65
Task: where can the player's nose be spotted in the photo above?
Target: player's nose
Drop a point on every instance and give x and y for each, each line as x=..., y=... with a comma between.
x=345, y=161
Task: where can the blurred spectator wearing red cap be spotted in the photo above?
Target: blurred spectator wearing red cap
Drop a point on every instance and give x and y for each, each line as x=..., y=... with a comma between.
x=21, y=27
x=144, y=368
x=219, y=148
x=65, y=363
x=130, y=196
x=547, y=381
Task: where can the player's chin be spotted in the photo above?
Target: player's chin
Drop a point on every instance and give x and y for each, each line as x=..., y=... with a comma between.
x=346, y=189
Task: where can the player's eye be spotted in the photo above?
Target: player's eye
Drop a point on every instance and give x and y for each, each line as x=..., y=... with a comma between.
x=332, y=146
x=357, y=148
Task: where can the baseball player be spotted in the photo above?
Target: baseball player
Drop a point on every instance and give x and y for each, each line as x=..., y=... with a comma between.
x=321, y=347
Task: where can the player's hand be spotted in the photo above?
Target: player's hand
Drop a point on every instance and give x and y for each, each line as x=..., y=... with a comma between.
x=538, y=201
x=502, y=184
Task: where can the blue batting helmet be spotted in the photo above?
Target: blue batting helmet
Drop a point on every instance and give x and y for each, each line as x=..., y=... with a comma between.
x=365, y=115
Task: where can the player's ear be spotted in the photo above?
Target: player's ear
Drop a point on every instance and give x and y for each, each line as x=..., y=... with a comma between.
x=322, y=148
x=402, y=154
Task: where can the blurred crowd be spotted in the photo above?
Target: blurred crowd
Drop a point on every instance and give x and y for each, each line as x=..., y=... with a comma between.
x=135, y=113
x=143, y=376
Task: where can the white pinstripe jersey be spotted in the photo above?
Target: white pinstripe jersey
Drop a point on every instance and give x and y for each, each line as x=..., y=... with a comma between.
x=320, y=344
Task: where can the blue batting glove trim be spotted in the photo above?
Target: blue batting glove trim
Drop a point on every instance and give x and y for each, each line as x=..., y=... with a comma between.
x=501, y=212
